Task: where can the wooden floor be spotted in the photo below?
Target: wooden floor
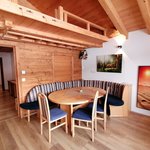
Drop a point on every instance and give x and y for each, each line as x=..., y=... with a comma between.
x=131, y=133
x=7, y=106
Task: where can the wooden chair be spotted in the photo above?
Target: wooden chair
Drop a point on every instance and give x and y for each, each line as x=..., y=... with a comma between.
x=50, y=116
x=101, y=111
x=85, y=115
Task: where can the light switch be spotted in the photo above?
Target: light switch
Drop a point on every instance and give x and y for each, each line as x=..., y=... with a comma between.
x=23, y=79
x=23, y=72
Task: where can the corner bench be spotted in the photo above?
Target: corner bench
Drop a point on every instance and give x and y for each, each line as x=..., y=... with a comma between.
x=117, y=91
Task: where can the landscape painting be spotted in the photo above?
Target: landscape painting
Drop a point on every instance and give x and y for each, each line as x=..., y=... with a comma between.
x=143, y=92
x=109, y=63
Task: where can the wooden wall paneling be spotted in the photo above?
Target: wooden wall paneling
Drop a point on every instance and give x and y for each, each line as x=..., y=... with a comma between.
x=18, y=73
x=77, y=67
x=62, y=67
x=43, y=64
x=37, y=64
x=29, y=64
x=72, y=65
x=53, y=79
x=62, y=51
x=56, y=65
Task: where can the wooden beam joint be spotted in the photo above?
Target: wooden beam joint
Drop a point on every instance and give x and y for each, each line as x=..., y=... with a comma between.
x=6, y=24
x=144, y=6
x=113, y=15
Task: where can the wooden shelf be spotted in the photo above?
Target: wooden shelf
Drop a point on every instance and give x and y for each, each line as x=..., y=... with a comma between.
x=24, y=24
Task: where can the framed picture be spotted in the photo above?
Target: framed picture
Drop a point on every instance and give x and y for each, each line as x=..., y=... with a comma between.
x=143, y=92
x=109, y=63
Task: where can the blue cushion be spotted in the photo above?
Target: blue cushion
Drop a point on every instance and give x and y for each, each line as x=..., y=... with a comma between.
x=90, y=105
x=56, y=113
x=100, y=107
x=114, y=100
x=30, y=106
x=35, y=105
x=83, y=113
x=51, y=104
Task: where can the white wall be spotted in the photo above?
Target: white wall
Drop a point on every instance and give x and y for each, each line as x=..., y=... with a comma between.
x=136, y=52
x=13, y=66
x=7, y=67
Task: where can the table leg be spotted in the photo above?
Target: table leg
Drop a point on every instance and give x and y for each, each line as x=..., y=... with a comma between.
x=69, y=110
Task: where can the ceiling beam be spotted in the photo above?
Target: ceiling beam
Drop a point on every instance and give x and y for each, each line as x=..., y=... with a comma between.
x=114, y=16
x=19, y=33
x=144, y=6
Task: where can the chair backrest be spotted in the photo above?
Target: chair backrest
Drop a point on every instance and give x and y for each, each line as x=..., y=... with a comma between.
x=105, y=103
x=95, y=105
x=44, y=107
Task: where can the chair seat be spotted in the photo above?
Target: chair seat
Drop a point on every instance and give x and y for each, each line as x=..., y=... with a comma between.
x=30, y=106
x=83, y=113
x=56, y=113
x=114, y=100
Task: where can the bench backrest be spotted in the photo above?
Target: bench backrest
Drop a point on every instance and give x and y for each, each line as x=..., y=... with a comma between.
x=115, y=89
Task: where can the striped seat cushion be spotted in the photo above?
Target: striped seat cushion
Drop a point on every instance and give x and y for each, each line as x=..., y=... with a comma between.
x=116, y=89
x=97, y=84
x=76, y=83
x=33, y=94
x=68, y=84
x=88, y=83
x=59, y=86
x=47, y=88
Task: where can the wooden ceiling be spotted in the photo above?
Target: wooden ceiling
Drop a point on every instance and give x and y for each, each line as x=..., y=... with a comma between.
x=128, y=11
x=113, y=15
x=130, y=14
x=90, y=10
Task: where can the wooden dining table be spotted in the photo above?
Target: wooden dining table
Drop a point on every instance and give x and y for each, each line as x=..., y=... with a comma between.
x=73, y=98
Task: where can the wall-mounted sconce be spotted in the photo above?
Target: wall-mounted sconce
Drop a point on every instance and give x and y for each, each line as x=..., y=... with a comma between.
x=120, y=39
x=119, y=46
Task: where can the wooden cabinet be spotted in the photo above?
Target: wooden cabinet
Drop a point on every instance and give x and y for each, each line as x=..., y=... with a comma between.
x=12, y=88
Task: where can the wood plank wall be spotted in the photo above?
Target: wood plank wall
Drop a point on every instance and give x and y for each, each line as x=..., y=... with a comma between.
x=43, y=64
